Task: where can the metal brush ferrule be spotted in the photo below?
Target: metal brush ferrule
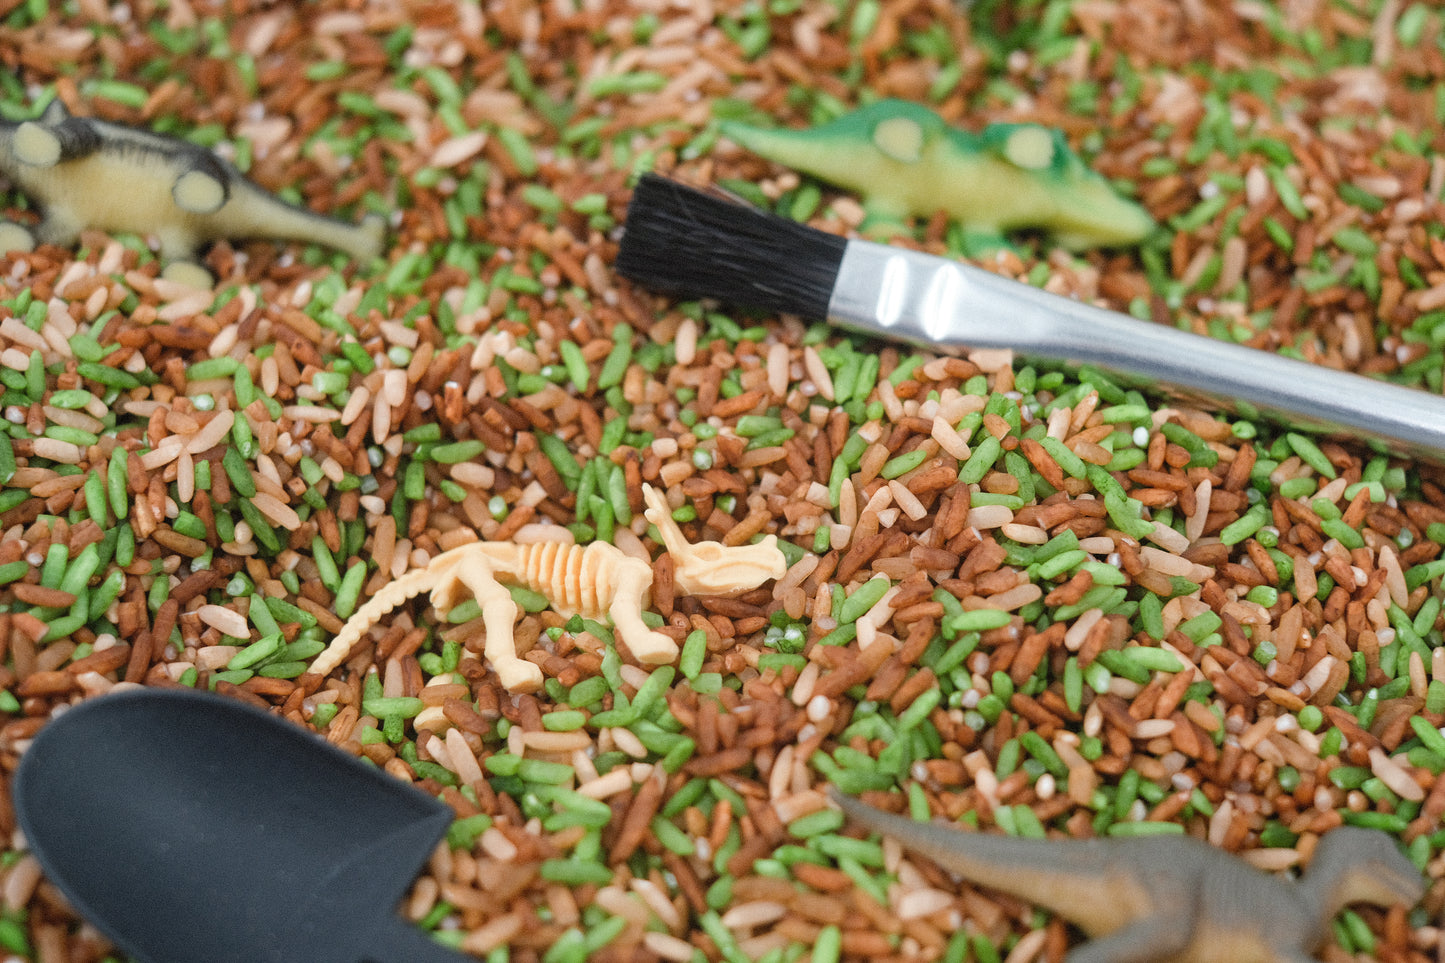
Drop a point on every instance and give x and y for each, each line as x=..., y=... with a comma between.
x=929, y=300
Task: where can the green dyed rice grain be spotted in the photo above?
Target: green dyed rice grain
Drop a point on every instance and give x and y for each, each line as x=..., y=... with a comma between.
x=223, y=367
x=954, y=655
x=1391, y=823
x=981, y=620
x=78, y=571
x=561, y=458
x=1035, y=746
x=1153, y=660
x=615, y=365
x=671, y=837
x=1071, y=463
x=919, y=709
x=7, y=459
x=1429, y=736
x=61, y=627
x=1310, y=453
x=74, y=436
x=1200, y=626
x=456, y=452
x=694, y=651
x=95, y=500
x=1062, y=563
x=106, y=593
x=863, y=598
x=52, y=570
x=1435, y=697
x=239, y=473
x=903, y=464
x=980, y=460
x=721, y=936
x=329, y=574
x=1245, y=526
x=261, y=617
x=828, y=945
x=106, y=375
x=116, y=481
x=601, y=934
x=653, y=692
x=1337, y=529
x=864, y=880
x=255, y=653
x=860, y=851
x=574, y=872
x=540, y=770
x=350, y=590
x=816, y=823
x=383, y=707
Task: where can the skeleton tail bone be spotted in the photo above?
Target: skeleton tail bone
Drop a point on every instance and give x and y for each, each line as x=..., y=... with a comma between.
x=409, y=586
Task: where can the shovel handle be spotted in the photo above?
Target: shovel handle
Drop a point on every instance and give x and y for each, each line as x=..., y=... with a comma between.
x=397, y=941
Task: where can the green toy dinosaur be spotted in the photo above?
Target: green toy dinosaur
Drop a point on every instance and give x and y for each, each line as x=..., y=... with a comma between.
x=87, y=173
x=1168, y=899
x=906, y=162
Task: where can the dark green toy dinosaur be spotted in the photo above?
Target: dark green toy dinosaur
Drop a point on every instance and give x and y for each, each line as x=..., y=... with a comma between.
x=1168, y=899
x=87, y=173
x=905, y=161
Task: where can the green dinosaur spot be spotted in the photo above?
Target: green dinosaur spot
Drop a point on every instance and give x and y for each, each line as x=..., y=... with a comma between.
x=899, y=138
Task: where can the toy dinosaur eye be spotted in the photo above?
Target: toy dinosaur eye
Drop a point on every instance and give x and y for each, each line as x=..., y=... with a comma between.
x=899, y=138
x=1030, y=148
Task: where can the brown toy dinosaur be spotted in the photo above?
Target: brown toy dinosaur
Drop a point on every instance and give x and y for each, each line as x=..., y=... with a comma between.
x=1168, y=899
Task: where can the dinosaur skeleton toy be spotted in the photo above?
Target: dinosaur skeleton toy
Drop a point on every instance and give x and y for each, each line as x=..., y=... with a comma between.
x=592, y=581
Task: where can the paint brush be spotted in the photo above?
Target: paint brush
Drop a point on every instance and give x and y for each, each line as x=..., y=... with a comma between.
x=684, y=242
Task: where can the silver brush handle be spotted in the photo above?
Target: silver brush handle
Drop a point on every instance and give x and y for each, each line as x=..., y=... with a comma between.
x=932, y=301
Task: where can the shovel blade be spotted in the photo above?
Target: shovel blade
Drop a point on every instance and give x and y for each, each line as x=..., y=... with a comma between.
x=187, y=826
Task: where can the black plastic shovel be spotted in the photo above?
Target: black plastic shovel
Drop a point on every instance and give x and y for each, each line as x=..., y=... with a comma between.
x=191, y=827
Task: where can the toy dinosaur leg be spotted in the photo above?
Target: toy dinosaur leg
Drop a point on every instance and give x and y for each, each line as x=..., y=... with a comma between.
x=647, y=646
x=189, y=273
x=1152, y=938
x=499, y=613
x=15, y=237
x=178, y=248
x=59, y=227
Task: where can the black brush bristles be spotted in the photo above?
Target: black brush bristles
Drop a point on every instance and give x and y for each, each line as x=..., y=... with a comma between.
x=684, y=242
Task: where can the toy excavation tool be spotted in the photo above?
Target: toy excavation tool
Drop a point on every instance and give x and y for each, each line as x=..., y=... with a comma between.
x=187, y=827
x=91, y=174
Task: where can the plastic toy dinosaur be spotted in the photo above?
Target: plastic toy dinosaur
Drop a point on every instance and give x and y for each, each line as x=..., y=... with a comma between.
x=87, y=173
x=906, y=162
x=593, y=580
x=1171, y=899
